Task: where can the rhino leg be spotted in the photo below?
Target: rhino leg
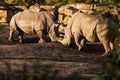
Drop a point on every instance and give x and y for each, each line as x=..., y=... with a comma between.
x=12, y=30
x=111, y=45
x=82, y=42
x=107, y=48
x=20, y=36
x=11, y=35
x=108, y=45
x=52, y=34
x=78, y=38
x=41, y=36
x=53, y=39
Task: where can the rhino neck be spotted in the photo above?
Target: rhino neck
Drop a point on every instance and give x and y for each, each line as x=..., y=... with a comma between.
x=53, y=32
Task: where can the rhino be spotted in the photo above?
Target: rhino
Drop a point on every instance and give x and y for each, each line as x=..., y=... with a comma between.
x=30, y=22
x=92, y=28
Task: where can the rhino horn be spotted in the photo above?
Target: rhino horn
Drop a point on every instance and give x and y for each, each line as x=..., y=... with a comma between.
x=63, y=43
x=56, y=25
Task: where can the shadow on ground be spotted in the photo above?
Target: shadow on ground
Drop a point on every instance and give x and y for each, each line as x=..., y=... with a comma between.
x=49, y=61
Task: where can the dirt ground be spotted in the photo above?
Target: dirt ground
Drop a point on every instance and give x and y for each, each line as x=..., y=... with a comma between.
x=51, y=60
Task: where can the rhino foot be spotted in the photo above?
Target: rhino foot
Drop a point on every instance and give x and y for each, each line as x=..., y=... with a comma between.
x=20, y=41
x=41, y=41
x=54, y=41
x=63, y=42
x=10, y=40
x=79, y=48
x=106, y=54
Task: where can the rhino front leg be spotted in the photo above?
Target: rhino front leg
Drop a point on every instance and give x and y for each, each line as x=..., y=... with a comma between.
x=53, y=39
x=11, y=35
x=52, y=34
x=41, y=36
x=77, y=39
x=12, y=30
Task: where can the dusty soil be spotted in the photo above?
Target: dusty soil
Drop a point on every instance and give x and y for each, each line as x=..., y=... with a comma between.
x=63, y=62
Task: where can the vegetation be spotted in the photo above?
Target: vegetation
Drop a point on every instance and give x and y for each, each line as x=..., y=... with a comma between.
x=115, y=70
x=55, y=2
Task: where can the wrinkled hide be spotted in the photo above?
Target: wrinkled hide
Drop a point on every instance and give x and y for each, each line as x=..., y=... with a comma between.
x=30, y=22
x=83, y=27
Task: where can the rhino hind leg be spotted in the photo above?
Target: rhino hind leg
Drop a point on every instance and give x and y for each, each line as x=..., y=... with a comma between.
x=79, y=41
x=40, y=34
x=12, y=30
x=107, y=47
x=20, y=36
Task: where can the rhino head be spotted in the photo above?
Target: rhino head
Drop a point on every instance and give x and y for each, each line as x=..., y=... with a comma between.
x=53, y=32
x=65, y=41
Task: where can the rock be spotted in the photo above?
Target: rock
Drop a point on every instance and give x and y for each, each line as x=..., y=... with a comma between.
x=113, y=12
x=88, y=11
x=6, y=13
x=102, y=8
x=61, y=10
x=4, y=20
x=34, y=8
x=48, y=8
x=70, y=11
x=21, y=7
x=61, y=17
x=66, y=18
x=82, y=6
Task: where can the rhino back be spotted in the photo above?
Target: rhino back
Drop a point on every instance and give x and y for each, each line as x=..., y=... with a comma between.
x=26, y=21
x=47, y=20
x=29, y=21
x=85, y=25
x=107, y=30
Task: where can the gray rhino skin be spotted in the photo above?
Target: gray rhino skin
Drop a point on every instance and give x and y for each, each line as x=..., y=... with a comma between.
x=91, y=28
x=33, y=22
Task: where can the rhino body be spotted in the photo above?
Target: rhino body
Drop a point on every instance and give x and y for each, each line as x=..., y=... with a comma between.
x=33, y=23
x=83, y=27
